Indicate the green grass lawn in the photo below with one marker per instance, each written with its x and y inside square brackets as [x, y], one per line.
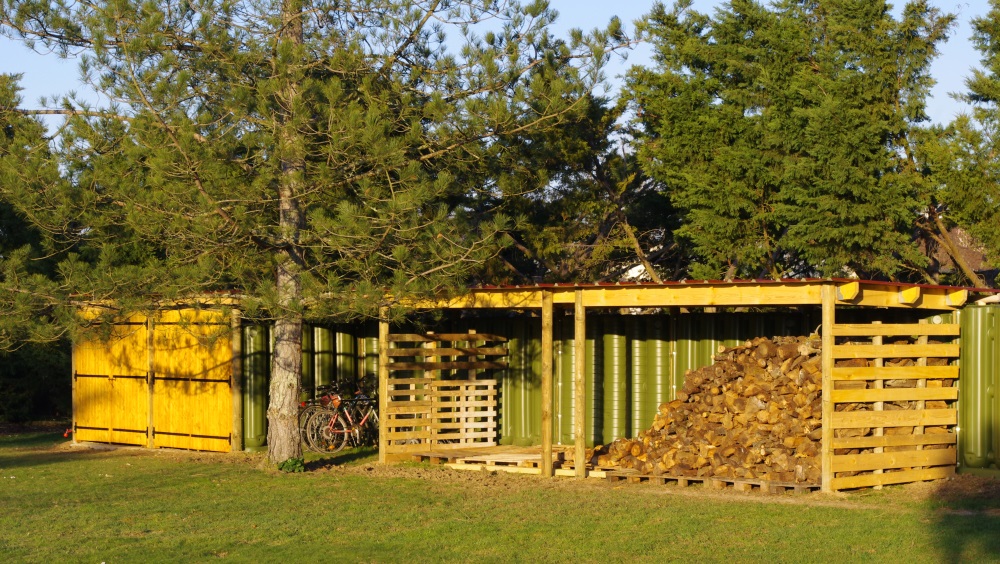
[80, 505]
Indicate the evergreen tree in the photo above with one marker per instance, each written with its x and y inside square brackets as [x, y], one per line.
[964, 156]
[28, 295]
[783, 133]
[589, 213]
[309, 154]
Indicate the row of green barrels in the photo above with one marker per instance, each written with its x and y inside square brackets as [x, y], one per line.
[633, 363]
[345, 355]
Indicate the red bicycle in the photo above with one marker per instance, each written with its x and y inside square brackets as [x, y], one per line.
[344, 421]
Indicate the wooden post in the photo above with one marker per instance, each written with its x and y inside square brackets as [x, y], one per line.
[877, 340]
[150, 377]
[383, 380]
[921, 383]
[73, 391]
[236, 379]
[547, 383]
[829, 296]
[579, 385]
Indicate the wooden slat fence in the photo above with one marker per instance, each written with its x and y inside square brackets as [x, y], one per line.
[441, 394]
[894, 394]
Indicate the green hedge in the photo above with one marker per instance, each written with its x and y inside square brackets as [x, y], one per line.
[35, 383]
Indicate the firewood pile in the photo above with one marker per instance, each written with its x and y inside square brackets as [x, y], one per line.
[755, 413]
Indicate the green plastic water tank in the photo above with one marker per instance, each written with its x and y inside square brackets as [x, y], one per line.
[979, 381]
[256, 365]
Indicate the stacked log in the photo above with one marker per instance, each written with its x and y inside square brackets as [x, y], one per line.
[756, 413]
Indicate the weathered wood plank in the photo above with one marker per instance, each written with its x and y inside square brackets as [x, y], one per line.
[895, 329]
[901, 418]
[456, 365]
[828, 312]
[899, 459]
[894, 394]
[446, 337]
[895, 440]
[451, 351]
[895, 351]
[902, 477]
[895, 373]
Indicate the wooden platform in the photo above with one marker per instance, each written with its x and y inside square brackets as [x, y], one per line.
[527, 460]
[737, 484]
[519, 460]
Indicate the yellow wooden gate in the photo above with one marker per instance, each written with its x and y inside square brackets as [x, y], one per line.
[894, 397]
[110, 381]
[190, 367]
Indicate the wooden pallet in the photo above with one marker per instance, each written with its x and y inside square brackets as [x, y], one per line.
[508, 459]
[433, 457]
[737, 484]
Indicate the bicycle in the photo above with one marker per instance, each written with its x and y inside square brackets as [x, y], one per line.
[350, 420]
[328, 396]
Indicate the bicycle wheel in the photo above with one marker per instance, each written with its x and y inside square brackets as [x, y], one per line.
[327, 431]
[369, 431]
[304, 415]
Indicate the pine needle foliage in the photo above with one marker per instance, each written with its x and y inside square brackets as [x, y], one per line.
[783, 132]
[307, 154]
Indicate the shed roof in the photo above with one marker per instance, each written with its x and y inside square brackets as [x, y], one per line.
[710, 293]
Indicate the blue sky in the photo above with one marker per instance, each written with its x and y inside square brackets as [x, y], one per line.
[48, 75]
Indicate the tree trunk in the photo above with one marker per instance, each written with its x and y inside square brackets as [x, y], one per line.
[944, 237]
[286, 365]
[286, 368]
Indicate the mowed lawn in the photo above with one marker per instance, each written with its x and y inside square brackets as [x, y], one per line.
[70, 504]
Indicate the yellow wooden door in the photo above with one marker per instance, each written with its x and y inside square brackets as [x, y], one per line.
[110, 385]
[192, 387]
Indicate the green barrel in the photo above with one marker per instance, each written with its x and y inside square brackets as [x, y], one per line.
[256, 366]
[639, 380]
[979, 381]
[657, 359]
[345, 364]
[520, 390]
[565, 359]
[324, 350]
[615, 381]
[368, 382]
[307, 388]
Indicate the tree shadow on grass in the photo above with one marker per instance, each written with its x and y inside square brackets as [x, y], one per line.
[966, 518]
[40, 449]
[347, 456]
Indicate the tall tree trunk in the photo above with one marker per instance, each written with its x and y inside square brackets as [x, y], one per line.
[286, 365]
[943, 237]
[637, 247]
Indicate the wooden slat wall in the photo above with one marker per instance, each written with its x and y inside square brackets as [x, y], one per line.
[894, 394]
[438, 397]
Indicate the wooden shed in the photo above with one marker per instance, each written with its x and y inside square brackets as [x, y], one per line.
[874, 457]
[176, 379]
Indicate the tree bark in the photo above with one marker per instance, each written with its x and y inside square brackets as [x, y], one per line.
[637, 247]
[944, 238]
[286, 365]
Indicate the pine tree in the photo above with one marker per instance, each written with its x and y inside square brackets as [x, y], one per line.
[783, 133]
[963, 157]
[308, 154]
